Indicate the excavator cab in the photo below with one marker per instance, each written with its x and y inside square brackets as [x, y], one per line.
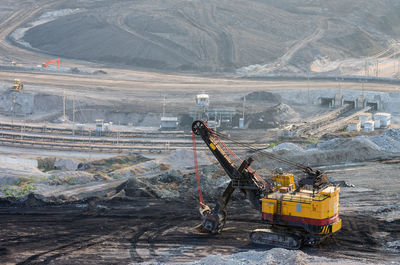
[282, 180]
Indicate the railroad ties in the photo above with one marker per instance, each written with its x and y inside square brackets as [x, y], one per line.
[55, 137]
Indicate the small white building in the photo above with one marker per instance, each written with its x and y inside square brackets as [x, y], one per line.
[369, 126]
[241, 123]
[384, 118]
[107, 126]
[99, 125]
[354, 126]
[364, 118]
[202, 100]
[80, 126]
[169, 122]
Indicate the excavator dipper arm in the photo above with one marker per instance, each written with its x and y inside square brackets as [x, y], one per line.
[213, 220]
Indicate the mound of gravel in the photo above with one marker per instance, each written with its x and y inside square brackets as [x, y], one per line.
[66, 164]
[335, 151]
[271, 117]
[287, 147]
[389, 140]
[263, 96]
[70, 178]
[276, 256]
[184, 158]
[357, 143]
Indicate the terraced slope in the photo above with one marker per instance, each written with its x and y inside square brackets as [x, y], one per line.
[218, 35]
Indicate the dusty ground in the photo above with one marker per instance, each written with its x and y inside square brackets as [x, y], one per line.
[128, 222]
[134, 225]
[143, 230]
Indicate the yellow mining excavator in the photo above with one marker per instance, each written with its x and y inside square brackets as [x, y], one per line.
[294, 215]
[18, 85]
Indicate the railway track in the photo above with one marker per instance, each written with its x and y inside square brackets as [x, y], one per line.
[337, 124]
[320, 120]
[52, 129]
[64, 139]
[329, 122]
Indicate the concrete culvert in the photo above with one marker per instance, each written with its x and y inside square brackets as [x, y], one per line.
[351, 103]
[326, 102]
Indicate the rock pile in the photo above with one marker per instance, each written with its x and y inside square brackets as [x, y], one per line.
[287, 147]
[389, 140]
[271, 117]
[278, 256]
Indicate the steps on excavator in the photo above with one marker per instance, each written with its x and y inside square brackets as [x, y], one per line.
[277, 238]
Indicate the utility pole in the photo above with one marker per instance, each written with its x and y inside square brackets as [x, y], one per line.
[362, 88]
[23, 127]
[64, 100]
[164, 103]
[13, 110]
[73, 116]
[339, 86]
[244, 105]
[308, 88]
[90, 144]
[119, 123]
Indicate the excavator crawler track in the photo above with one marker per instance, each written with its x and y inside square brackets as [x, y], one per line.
[276, 238]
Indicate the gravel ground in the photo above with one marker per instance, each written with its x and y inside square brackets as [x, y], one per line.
[389, 140]
[277, 256]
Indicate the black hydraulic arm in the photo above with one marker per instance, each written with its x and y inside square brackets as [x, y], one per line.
[241, 177]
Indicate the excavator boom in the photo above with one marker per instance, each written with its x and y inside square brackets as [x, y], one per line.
[52, 61]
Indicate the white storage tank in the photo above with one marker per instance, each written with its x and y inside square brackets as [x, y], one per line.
[385, 119]
[369, 126]
[377, 123]
[354, 126]
[364, 118]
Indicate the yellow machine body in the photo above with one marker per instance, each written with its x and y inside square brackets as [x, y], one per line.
[317, 213]
[18, 86]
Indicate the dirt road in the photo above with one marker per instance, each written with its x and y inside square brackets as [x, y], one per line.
[144, 230]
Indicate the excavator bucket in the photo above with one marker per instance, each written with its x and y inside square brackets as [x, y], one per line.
[212, 220]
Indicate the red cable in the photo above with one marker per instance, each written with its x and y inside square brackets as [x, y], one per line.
[227, 148]
[197, 171]
[238, 158]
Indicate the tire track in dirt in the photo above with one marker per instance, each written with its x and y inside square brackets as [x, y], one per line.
[143, 230]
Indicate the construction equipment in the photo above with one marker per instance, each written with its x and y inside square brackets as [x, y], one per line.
[18, 85]
[294, 215]
[52, 61]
